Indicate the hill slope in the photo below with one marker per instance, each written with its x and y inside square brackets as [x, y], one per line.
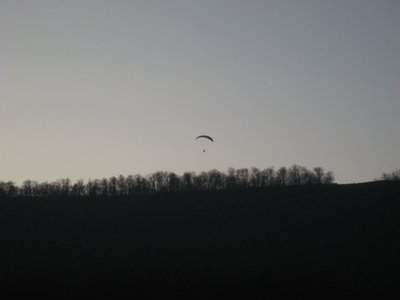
[337, 240]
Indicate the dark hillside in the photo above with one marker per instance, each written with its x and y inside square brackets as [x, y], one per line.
[322, 241]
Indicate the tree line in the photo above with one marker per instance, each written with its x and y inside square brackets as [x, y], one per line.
[162, 181]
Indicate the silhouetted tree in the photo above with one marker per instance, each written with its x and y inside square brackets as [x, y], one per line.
[130, 185]
[103, 187]
[242, 177]
[173, 182]
[53, 188]
[188, 180]
[11, 189]
[35, 188]
[294, 175]
[159, 181]
[328, 178]
[43, 189]
[112, 186]
[281, 176]
[231, 182]
[121, 185]
[141, 185]
[215, 180]
[319, 174]
[3, 189]
[255, 177]
[65, 187]
[201, 181]
[78, 189]
[306, 176]
[394, 176]
[268, 177]
[26, 188]
[93, 187]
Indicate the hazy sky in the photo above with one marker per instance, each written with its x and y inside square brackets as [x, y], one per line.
[92, 89]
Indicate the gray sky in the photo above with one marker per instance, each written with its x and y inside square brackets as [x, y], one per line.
[92, 89]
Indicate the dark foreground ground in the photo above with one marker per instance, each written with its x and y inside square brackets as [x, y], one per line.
[339, 241]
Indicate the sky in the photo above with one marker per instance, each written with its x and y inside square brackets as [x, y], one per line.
[95, 88]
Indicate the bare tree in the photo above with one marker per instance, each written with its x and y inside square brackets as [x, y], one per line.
[26, 188]
[12, 189]
[3, 189]
[130, 185]
[255, 177]
[121, 185]
[215, 180]
[78, 189]
[319, 174]
[103, 186]
[268, 177]
[231, 182]
[328, 178]
[65, 187]
[112, 185]
[173, 182]
[394, 176]
[43, 189]
[188, 180]
[55, 188]
[143, 184]
[281, 176]
[201, 181]
[306, 176]
[294, 175]
[93, 187]
[242, 177]
[159, 181]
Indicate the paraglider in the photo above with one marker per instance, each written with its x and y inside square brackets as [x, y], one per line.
[205, 137]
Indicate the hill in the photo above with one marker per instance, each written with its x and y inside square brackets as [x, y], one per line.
[309, 241]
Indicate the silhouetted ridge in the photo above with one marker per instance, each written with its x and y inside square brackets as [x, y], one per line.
[296, 242]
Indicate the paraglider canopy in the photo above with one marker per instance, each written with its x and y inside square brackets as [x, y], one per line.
[205, 137]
